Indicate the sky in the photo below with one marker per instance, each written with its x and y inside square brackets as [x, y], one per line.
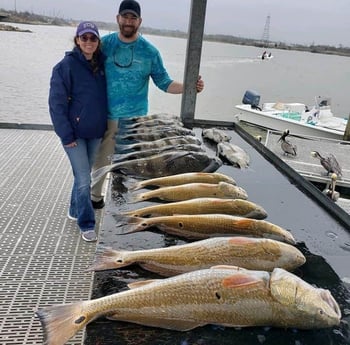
[291, 21]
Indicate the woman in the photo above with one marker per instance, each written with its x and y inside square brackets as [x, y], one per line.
[78, 109]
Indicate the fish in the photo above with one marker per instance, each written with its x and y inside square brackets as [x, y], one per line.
[234, 154]
[201, 226]
[155, 135]
[222, 295]
[174, 180]
[146, 145]
[249, 253]
[152, 123]
[192, 190]
[118, 157]
[215, 134]
[163, 164]
[140, 119]
[180, 130]
[287, 147]
[234, 207]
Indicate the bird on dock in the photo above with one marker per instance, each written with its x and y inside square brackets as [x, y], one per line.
[329, 162]
[287, 147]
[330, 189]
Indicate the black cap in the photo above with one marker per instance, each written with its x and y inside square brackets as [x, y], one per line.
[130, 6]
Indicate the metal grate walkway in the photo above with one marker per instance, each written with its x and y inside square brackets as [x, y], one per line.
[42, 256]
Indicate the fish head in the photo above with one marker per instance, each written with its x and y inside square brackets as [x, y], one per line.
[290, 257]
[229, 190]
[309, 306]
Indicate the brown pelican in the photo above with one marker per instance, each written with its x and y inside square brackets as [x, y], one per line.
[329, 163]
[330, 190]
[287, 147]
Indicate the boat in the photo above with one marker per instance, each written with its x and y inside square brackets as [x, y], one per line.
[297, 117]
[265, 56]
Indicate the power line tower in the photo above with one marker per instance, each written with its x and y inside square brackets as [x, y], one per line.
[266, 34]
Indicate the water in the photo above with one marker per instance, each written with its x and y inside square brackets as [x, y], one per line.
[228, 71]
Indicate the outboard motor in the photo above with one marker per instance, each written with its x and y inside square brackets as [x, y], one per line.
[252, 98]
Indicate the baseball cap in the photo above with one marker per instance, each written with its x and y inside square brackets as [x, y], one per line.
[130, 6]
[87, 27]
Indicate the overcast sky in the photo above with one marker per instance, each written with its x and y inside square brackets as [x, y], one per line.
[291, 21]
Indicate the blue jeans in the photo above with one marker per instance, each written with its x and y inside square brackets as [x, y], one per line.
[81, 158]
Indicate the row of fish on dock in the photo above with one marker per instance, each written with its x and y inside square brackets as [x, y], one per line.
[235, 270]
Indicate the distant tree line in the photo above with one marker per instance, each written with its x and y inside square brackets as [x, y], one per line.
[32, 18]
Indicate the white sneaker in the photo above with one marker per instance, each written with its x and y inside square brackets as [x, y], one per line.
[71, 217]
[89, 236]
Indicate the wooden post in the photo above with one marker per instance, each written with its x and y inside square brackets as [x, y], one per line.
[193, 57]
[346, 136]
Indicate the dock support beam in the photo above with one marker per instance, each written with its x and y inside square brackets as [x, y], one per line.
[193, 57]
[346, 136]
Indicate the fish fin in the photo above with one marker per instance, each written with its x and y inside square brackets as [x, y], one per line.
[98, 174]
[172, 159]
[61, 322]
[160, 322]
[244, 223]
[229, 267]
[162, 271]
[142, 283]
[109, 259]
[240, 280]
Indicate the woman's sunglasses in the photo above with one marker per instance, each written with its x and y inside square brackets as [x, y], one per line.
[86, 38]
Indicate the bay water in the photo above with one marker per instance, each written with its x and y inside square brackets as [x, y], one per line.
[228, 71]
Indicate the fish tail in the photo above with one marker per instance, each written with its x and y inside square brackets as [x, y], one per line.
[129, 224]
[99, 174]
[61, 322]
[108, 259]
[132, 199]
[136, 186]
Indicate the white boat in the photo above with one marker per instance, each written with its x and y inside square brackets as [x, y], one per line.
[318, 121]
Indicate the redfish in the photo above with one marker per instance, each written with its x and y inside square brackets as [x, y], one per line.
[228, 296]
[205, 226]
[234, 207]
[193, 190]
[249, 253]
[191, 177]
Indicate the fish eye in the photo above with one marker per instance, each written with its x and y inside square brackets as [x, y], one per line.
[321, 312]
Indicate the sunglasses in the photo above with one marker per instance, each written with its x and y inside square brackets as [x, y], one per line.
[85, 38]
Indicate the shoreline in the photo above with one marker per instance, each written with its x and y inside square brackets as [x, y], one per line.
[35, 19]
[4, 27]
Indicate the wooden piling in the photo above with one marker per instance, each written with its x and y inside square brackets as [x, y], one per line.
[346, 135]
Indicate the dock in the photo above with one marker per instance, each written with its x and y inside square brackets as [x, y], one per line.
[43, 258]
[309, 167]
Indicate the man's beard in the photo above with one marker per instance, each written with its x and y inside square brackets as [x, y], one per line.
[128, 31]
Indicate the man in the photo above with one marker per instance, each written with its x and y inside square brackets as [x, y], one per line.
[131, 62]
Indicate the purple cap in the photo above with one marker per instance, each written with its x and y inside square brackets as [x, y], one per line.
[130, 6]
[87, 27]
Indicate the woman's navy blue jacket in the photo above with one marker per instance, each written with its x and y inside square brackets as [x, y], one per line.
[78, 98]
